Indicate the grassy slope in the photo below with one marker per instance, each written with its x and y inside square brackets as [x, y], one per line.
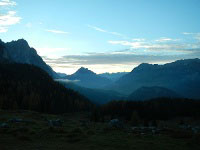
[37, 135]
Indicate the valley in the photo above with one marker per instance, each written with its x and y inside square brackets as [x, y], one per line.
[99, 75]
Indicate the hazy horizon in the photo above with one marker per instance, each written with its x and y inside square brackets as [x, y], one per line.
[104, 36]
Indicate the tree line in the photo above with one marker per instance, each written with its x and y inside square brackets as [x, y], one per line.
[148, 111]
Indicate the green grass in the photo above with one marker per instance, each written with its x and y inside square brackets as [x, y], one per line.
[37, 135]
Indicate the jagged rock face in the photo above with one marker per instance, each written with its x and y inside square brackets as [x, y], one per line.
[182, 76]
[19, 51]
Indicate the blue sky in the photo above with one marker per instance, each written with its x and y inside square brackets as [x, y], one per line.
[104, 35]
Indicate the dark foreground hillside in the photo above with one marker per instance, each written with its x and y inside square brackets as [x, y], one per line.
[30, 88]
[23, 130]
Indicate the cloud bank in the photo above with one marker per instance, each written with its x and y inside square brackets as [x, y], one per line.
[136, 51]
[7, 3]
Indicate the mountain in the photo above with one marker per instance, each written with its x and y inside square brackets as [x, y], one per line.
[3, 53]
[97, 96]
[20, 52]
[182, 76]
[61, 75]
[113, 76]
[29, 87]
[87, 78]
[147, 93]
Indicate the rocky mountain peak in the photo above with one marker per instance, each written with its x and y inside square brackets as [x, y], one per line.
[83, 70]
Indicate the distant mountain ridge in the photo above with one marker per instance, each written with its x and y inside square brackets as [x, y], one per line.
[61, 75]
[113, 76]
[182, 76]
[20, 52]
[147, 93]
[87, 78]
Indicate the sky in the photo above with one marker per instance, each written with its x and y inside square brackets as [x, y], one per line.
[104, 35]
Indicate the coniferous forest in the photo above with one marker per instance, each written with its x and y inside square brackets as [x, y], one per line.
[30, 88]
[155, 109]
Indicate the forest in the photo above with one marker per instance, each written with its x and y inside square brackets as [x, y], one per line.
[155, 109]
[28, 87]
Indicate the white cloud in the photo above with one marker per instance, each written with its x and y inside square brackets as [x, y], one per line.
[161, 50]
[97, 28]
[110, 61]
[194, 35]
[161, 45]
[7, 3]
[105, 31]
[198, 37]
[187, 33]
[133, 45]
[165, 39]
[135, 51]
[116, 33]
[7, 20]
[138, 39]
[57, 31]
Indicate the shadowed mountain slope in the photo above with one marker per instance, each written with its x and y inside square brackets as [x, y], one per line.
[182, 76]
[147, 93]
[20, 52]
[87, 78]
[97, 96]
